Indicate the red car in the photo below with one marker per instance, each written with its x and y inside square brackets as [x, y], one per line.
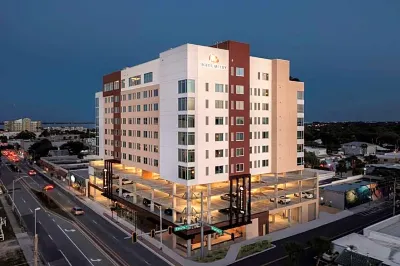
[32, 172]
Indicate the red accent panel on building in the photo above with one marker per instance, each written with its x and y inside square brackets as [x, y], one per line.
[113, 77]
[239, 56]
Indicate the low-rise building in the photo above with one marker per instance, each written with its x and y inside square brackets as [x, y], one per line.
[22, 125]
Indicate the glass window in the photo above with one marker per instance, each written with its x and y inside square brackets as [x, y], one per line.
[185, 121]
[219, 136]
[300, 148]
[219, 120]
[239, 152]
[219, 153]
[239, 89]
[265, 92]
[300, 108]
[219, 87]
[239, 105]
[240, 72]
[239, 167]
[239, 136]
[265, 134]
[186, 85]
[136, 80]
[155, 92]
[265, 76]
[300, 134]
[148, 77]
[123, 83]
[265, 163]
[300, 121]
[207, 85]
[265, 148]
[186, 156]
[186, 138]
[265, 120]
[240, 120]
[186, 173]
[300, 95]
[219, 104]
[219, 169]
[265, 106]
[300, 161]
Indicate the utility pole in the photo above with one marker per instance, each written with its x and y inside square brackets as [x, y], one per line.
[394, 195]
[202, 226]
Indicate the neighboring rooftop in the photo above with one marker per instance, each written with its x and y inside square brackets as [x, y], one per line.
[347, 186]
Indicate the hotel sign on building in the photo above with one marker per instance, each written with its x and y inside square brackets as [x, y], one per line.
[213, 62]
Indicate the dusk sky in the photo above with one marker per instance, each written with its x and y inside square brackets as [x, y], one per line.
[53, 54]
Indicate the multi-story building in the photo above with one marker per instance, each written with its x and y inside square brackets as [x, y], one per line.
[22, 125]
[210, 124]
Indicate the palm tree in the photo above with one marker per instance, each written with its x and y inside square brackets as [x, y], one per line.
[293, 250]
[320, 245]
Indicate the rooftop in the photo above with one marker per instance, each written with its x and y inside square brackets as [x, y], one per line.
[347, 186]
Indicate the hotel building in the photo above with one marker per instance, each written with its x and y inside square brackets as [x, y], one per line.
[205, 124]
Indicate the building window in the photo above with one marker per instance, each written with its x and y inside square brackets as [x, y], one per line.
[300, 108]
[219, 104]
[219, 136]
[265, 148]
[239, 152]
[155, 162]
[265, 92]
[186, 138]
[239, 120]
[300, 134]
[207, 171]
[264, 163]
[239, 136]
[123, 83]
[207, 86]
[265, 120]
[239, 105]
[219, 169]
[265, 106]
[300, 95]
[219, 87]
[187, 103]
[186, 156]
[265, 134]
[219, 120]
[186, 121]
[155, 107]
[148, 77]
[240, 72]
[265, 76]
[300, 148]
[219, 153]
[239, 167]
[186, 85]
[186, 173]
[239, 89]
[300, 161]
[300, 121]
[136, 80]
[155, 92]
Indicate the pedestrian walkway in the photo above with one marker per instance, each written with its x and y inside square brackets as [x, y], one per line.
[23, 239]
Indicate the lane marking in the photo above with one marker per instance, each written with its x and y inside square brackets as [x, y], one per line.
[53, 220]
[39, 222]
[75, 245]
[30, 209]
[96, 260]
[23, 200]
[69, 230]
[65, 257]
[50, 237]
[94, 221]
[115, 238]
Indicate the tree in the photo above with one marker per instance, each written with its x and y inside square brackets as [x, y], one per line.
[294, 251]
[3, 139]
[320, 245]
[341, 168]
[311, 159]
[74, 147]
[25, 135]
[45, 133]
[40, 148]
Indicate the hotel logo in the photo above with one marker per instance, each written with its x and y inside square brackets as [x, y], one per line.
[213, 62]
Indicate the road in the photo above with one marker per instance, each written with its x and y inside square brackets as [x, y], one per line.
[334, 230]
[105, 234]
[60, 242]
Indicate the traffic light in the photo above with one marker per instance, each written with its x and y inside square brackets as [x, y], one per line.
[232, 236]
[153, 233]
[169, 230]
[134, 237]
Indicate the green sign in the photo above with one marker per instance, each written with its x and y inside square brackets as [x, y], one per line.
[180, 228]
[217, 230]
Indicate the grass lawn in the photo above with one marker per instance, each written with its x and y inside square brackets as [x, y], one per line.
[213, 255]
[253, 248]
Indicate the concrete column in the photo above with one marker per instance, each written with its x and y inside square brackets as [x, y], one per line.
[273, 218]
[173, 202]
[290, 217]
[134, 193]
[173, 241]
[152, 201]
[94, 189]
[87, 187]
[300, 189]
[120, 187]
[208, 214]
[189, 218]
[276, 195]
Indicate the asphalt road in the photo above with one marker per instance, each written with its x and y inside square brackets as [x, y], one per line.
[334, 230]
[106, 235]
[60, 242]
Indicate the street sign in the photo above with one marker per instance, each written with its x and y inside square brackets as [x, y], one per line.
[180, 228]
[217, 230]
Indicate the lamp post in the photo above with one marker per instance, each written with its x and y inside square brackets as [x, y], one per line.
[161, 236]
[13, 193]
[36, 241]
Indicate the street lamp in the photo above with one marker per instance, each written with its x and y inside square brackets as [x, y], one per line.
[161, 236]
[13, 193]
[36, 241]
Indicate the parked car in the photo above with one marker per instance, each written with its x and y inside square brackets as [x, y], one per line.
[305, 195]
[126, 181]
[127, 194]
[226, 211]
[228, 196]
[329, 256]
[168, 211]
[281, 200]
[32, 172]
[77, 211]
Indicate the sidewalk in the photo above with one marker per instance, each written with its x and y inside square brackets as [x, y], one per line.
[23, 239]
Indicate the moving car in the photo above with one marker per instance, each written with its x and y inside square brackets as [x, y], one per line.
[305, 195]
[32, 172]
[281, 200]
[228, 196]
[126, 181]
[77, 211]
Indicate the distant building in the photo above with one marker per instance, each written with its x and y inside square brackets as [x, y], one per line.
[316, 150]
[361, 148]
[22, 125]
